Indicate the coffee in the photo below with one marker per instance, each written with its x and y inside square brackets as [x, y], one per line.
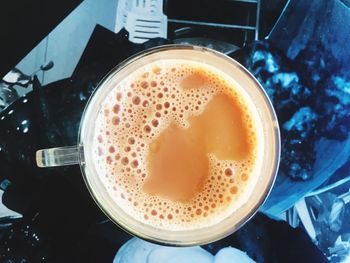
[178, 145]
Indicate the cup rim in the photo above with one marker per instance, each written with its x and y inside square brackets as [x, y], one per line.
[264, 195]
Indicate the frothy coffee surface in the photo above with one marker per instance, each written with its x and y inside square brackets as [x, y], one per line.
[177, 145]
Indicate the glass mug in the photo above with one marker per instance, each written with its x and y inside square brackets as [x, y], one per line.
[82, 153]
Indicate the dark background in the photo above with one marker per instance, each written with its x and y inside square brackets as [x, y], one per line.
[23, 24]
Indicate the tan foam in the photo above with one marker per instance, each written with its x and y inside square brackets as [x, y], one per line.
[156, 109]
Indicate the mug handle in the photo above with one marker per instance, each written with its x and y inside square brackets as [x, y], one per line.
[60, 156]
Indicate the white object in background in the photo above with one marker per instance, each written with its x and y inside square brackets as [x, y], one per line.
[139, 251]
[180, 255]
[123, 8]
[134, 251]
[5, 212]
[143, 19]
[232, 255]
[305, 218]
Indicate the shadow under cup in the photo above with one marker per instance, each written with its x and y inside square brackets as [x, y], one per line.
[270, 142]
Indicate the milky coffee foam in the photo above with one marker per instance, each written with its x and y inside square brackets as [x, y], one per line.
[138, 110]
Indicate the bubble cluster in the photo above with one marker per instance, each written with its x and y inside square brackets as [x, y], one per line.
[136, 112]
